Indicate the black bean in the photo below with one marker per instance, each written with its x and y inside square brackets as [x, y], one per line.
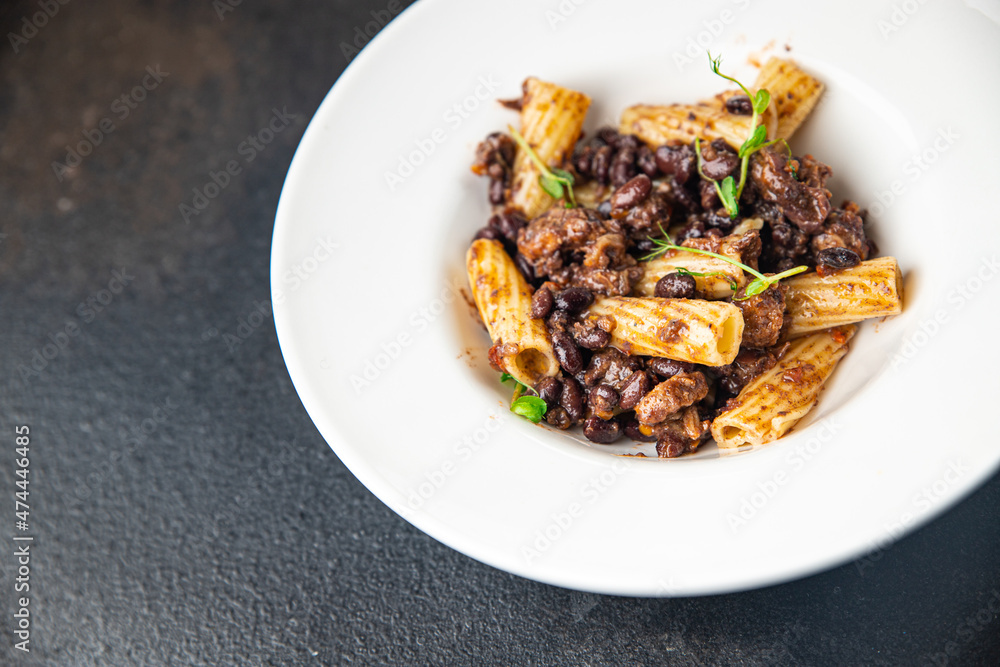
[721, 222]
[667, 368]
[572, 399]
[695, 230]
[558, 417]
[722, 166]
[489, 233]
[739, 105]
[508, 224]
[675, 286]
[631, 426]
[601, 164]
[582, 160]
[541, 303]
[524, 266]
[637, 386]
[574, 299]
[644, 247]
[603, 398]
[609, 136]
[622, 167]
[709, 197]
[670, 445]
[593, 338]
[567, 352]
[604, 208]
[647, 161]
[676, 161]
[837, 258]
[632, 193]
[719, 160]
[602, 431]
[628, 142]
[497, 191]
[549, 390]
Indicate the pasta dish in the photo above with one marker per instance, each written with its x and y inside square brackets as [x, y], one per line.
[681, 277]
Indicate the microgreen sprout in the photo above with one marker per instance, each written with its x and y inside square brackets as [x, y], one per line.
[753, 288]
[728, 189]
[557, 183]
[531, 408]
[705, 274]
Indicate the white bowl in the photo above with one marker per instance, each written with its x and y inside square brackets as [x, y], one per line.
[368, 279]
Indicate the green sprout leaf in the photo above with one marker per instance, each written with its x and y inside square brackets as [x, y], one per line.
[754, 288]
[756, 141]
[716, 64]
[557, 183]
[727, 193]
[531, 408]
[730, 196]
[708, 274]
[552, 185]
[762, 283]
[761, 100]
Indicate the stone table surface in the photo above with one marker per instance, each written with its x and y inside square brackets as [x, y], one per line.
[183, 507]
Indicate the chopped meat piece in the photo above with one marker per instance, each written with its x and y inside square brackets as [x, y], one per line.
[611, 366]
[495, 158]
[670, 396]
[680, 433]
[812, 172]
[747, 365]
[646, 219]
[746, 246]
[843, 228]
[763, 315]
[805, 206]
[577, 247]
[708, 195]
[789, 246]
[709, 243]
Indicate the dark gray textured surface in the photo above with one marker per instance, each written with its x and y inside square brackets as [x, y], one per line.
[184, 508]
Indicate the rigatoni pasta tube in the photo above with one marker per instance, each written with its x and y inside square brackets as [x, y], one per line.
[682, 123]
[873, 288]
[715, 286]
[774, 401]
[702, 332]
[794, 94]
[551, 121]
[521, 345]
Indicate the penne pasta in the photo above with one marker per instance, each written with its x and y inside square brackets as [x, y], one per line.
[521, 345]
[551, 122]
[702, 332]
[773, 402]
[873, 288]
[793, 93]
